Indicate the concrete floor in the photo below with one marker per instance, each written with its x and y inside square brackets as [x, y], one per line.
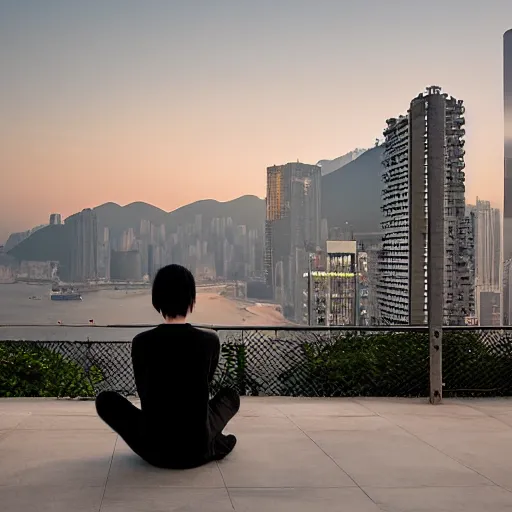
[295, 455]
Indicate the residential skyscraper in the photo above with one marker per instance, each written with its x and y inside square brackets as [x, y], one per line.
[104, 252]
[426, 141]
[83, 228]
[487, 228]
[128, 239]
[507, 189]
[292, 230]
[392, 285]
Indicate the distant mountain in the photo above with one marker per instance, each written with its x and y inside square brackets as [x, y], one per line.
[52, 242]
[329, 166]
[16, 238]
[246, 210]
[118, 218]
[352, 194]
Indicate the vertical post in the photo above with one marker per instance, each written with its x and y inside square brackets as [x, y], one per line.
[309, 289]
[436, 122]
[356, 288]
[329, 289]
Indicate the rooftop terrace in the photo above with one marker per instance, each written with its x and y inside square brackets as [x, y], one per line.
[294, 454]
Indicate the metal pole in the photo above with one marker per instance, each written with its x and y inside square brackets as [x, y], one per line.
[329, 292]
[356, 289]
[435, 253]
[309, 289]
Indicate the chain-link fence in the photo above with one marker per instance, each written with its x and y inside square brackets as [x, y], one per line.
[477, 361]
[279, 361]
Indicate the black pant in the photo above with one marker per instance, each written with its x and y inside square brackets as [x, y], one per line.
[127, 420]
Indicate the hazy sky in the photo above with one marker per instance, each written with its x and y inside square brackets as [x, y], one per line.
[172, 101]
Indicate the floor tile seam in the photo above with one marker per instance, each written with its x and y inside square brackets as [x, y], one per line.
[287, 418]
[225, 486]
[282, 417]
[60, 430]
[108, 474]
[6, 433]
[330, 416]
[499, 420]
[45, 429]
[486, 414]
[238, 487]
[468, 418]
[454, 459]
[21, 485]
[112, 485]
[361, 402]
[50, 415]
[336, 463]
[308, 487]
[16, 427]
[356, 485]
[437, 486]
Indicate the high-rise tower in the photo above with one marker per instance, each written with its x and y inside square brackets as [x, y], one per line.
[83, 229]
[292, 230]
[428, 141]
[487, 228]
[507, 188]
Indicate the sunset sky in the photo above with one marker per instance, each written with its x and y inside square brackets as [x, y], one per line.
[170, 101]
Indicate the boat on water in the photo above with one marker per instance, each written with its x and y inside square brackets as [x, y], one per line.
[65, 295]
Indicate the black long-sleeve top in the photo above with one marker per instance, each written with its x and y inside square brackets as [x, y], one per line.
[174, 366]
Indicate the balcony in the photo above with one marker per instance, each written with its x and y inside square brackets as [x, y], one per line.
[359, 455]
[351, 430]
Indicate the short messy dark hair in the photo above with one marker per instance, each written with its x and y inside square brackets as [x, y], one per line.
[174, 291]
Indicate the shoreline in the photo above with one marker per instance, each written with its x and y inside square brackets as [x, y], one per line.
[123, 307]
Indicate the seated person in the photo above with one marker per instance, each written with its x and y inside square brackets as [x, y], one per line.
[178, 426]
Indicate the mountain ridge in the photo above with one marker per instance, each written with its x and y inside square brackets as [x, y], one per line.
[337, 163]
[199, 201]
[49, 243]
[352, 194]
[247, 210]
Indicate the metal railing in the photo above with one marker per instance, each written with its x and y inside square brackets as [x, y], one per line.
[286, 361]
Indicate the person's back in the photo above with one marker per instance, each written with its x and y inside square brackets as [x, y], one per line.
[173, 366]
[178, 426]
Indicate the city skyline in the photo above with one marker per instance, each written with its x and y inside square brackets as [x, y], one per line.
[170, 103]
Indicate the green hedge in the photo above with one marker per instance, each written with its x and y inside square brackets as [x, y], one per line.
[397, 364]
[31, 370]
[346, 364]
[232, 371]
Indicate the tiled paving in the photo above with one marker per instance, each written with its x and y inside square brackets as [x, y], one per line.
[354, 455]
